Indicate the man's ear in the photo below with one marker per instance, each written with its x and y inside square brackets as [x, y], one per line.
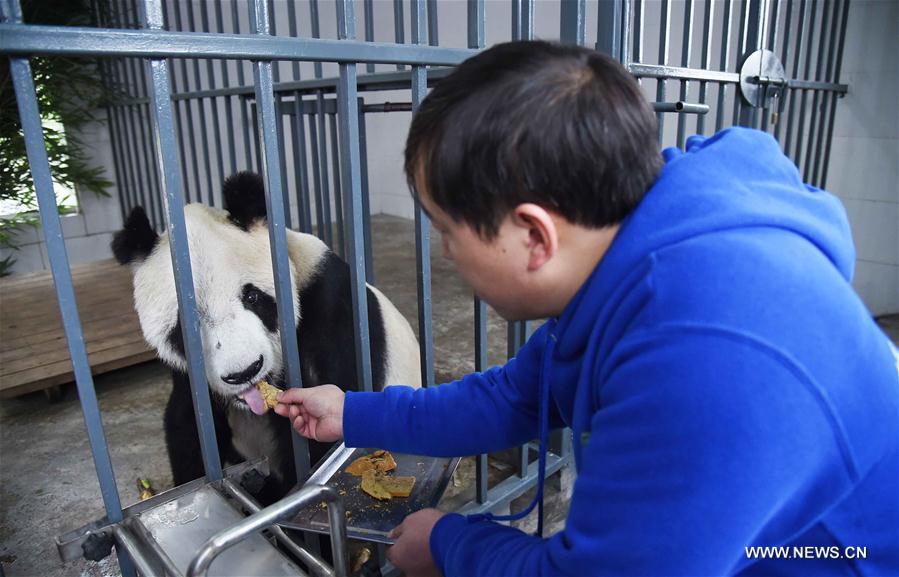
[244, 195]
[542, 235]
[136, 240]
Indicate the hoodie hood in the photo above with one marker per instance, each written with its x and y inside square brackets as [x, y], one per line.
[738, 178]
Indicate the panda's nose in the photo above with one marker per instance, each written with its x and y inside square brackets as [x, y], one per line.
[246, 375]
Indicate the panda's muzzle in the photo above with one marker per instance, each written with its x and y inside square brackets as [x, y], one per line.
[246, 375]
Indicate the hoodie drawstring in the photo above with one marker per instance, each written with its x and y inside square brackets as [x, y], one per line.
[544, 434]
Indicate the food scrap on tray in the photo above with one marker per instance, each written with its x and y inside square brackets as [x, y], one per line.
[378, 461]
[376, 482]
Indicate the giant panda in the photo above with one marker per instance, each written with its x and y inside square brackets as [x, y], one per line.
[235, 298]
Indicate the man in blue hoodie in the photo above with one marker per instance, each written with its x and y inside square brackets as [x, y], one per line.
[735, 409]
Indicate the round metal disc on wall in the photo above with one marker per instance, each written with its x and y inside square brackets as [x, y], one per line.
[761, 64]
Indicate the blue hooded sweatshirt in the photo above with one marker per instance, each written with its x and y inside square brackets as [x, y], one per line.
[726, 388]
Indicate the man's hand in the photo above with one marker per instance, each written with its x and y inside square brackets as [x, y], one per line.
[316, 413]
[412, 551]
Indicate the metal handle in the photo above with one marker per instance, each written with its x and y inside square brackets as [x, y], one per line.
[681, 106]
[199, 565]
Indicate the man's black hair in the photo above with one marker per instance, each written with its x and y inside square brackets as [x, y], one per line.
[560, 126]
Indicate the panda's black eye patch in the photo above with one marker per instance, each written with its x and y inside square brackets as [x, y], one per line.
[261, 304]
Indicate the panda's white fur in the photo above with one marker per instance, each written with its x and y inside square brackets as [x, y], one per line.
[232, 336]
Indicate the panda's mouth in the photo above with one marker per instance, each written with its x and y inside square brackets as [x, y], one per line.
[252, 398]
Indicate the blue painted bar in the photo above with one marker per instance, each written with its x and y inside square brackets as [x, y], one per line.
[476, 22]
[724, 64]
[399, 26]
[664, 23]
[573, 22]
[608, 28]
[347, 112]
[708, 26]
[300, 165]
[277, 231]
[316, 32]
[282, 158]
[167, 162]
[422, 224]
[369, 7]
[325, 230]
[516, 20]
[339, 243]
[293, 31]
[366, 208]
[29, 114]
[480, 365]
[82, 41]
[686, 53]
[316, 168]
[432, 22]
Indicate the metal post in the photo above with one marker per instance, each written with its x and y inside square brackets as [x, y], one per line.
[608, 28]
[814, 129]
[432, 22]
[26, 98]
[422, 224]
[167, 161]
[752, 35]
[480, 365]
[663, 60]
[282, 158]
[724, 64]
[708, 24]
[299, 165]
[573, 22]
[277, 230]
[783, 58]
[316, 24]
[339, 244]
[369, 8]
[348, 110]
[325, 231]
[366, 207]
[686, 52]
[833, 102]
[476, 22]
[399, 26]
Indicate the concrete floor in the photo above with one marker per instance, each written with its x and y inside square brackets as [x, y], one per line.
[47, 481]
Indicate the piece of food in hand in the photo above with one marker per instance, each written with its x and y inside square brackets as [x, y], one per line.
[378, 461]
[261, 397]
[269, 394]
[384, 487]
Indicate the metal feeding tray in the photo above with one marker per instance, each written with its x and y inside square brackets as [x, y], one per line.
[368, 518]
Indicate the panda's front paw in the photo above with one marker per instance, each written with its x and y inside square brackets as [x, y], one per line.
[253, 482]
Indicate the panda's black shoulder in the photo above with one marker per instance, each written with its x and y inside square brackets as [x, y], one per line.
[326, 315]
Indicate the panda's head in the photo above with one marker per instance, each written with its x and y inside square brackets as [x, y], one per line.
[233, 282]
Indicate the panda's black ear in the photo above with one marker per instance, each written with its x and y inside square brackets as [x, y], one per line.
[136, 240]
[244, 195]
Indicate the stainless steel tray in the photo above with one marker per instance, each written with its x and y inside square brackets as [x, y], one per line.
[368, 518]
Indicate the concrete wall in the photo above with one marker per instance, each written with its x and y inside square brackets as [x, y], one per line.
[864, 162]
[87, 233]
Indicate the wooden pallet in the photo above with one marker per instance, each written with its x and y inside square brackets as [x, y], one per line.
[33, 351]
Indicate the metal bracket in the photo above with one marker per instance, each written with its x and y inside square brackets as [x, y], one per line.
[763, 80]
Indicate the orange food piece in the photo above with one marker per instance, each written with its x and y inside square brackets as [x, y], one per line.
[383, 487]
[378, 461]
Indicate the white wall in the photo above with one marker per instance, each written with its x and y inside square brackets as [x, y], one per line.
[864, 162]
[89, 232]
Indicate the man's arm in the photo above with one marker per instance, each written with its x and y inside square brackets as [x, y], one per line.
[481, 412]
[702, 445]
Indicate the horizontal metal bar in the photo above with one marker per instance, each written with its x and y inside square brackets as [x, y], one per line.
[78, 41]
[811, 85]
[681, 106]
[656, 71]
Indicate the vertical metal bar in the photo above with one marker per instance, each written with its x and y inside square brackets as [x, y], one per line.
[114, 133]
[300, 165]
[686, 53]
[572, 22]
[26, 97]
[282, 158]
[316, 167]
[201, 111]
[476, 20]
[527, 20]
[235, 17]
[797, 60]
[186, 129]
[369, 8]
[142, 178]
[743, 24]
[815, 131]
[515, 337]
[753, 33]
[422, 224]
[348, 107]
[639, 9]
[664, 21]
[608, 28]
[724, 64]
[480, 365]
[316, 32]
[325, 231]
[804, 93]
[516, 20]
[399, 27]
[432, 22]
[167, 161]
[838, 64]
[366, 207]
[277, 230]
[294, 33]
[707, 27]
[153, 175]
[625, 31]
[246, 128]
[214, 107]
[339, 244]
[227, 101]
[127, 160]
[783, 58]
[772, 46]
